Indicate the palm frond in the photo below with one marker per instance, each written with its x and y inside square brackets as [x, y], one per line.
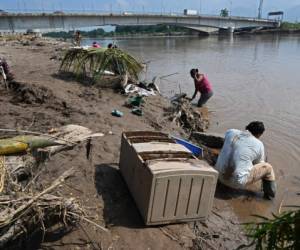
[93, 62]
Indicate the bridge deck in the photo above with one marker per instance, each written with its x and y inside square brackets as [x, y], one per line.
[69, 21]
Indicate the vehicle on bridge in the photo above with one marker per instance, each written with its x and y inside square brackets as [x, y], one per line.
[187, 12]
[126, 13]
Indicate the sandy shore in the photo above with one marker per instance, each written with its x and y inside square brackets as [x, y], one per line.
[41, 100]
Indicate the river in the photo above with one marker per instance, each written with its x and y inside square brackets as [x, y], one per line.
[254, 78]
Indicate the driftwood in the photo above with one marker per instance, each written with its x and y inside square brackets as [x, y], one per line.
[23, 216]
[186, 116]
[44, 213]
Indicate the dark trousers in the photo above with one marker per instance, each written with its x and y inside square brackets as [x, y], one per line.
[204, 98]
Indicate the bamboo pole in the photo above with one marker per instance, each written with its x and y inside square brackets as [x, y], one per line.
[35, 133]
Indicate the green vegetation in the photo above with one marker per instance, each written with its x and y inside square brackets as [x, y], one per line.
[60, 34]
[93, 62]
[149, 29]
[122, 31]
[70, 34]
[280, 232]
[224, 12]
[290, 26]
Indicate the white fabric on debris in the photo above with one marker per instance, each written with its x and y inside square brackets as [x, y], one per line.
[70, 135]
[131, 88]
[240, 151]
[3, 73]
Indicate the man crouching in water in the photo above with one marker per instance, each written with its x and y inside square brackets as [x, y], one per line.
[242, 160]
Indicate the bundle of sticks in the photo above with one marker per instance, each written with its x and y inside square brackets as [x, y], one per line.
[23, 213]
[185, 115]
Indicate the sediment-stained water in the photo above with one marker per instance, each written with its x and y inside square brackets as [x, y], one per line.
[254, 78]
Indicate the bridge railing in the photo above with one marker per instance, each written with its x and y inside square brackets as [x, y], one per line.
[115, 12]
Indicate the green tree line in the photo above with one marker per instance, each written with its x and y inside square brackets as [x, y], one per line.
[122, 30]
[290, 26]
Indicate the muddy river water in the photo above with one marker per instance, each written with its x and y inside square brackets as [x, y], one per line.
[253, 78]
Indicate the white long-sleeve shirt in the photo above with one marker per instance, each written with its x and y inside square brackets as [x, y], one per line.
[240, 151]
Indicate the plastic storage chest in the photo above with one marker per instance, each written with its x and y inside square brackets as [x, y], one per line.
[166, 181]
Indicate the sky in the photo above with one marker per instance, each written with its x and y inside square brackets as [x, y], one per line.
[236, 7]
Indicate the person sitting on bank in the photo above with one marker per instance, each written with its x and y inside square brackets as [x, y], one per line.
[112, 46]
[242, 160]
[77, 38]
[6, 70]
[96, 45]
[202, 85]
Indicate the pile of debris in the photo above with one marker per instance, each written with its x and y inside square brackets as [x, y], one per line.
[186, 116]
[136, 93]
[25, 207]
[110, 68]
[24, 213]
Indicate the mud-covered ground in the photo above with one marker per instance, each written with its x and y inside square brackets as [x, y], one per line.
[40, 100]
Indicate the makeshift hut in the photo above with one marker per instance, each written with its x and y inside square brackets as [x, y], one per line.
[103, 67]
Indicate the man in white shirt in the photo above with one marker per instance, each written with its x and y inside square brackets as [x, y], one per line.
[242, 160]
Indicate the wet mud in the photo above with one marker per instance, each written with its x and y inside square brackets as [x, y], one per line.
[38, 101]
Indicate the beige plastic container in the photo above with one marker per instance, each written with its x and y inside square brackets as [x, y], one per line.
[166, 181]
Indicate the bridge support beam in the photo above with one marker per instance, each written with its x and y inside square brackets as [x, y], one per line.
[203, 30]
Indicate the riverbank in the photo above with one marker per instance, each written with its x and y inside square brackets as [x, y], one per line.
[135, 35]
[42, 100]
[123, 32]
[285, 28]
[272, 31]
[126, 31]
[196, 34]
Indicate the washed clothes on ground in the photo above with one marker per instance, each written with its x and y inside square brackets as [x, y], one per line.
[240, 151]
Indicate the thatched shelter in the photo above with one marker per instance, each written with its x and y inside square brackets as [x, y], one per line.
[101, 65]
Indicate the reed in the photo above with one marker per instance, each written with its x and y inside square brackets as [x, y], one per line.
[280, 232]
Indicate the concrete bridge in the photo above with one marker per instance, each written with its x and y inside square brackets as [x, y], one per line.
[14, 22]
